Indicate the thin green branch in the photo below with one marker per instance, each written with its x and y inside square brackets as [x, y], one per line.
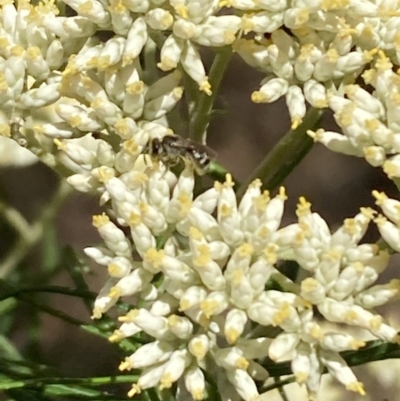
[31, 234]
[51, 311]
[285, 155]
[90, 381]
[277, 384]
[374, 351]
[202, 110]
[54, 289]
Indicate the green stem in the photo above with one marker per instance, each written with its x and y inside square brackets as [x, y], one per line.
[91, 381]
[202, 110]
[31, 234]
[53, 289]
[374, 351]
[285, 155]
[51, 311]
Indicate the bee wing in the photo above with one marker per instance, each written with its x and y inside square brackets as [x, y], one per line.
[200, 148]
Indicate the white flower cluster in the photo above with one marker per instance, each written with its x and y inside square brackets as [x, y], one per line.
[309, 48]
[210, 309]
[198, 268]
[370, 122]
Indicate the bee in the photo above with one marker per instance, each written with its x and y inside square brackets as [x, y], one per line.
[171, 149]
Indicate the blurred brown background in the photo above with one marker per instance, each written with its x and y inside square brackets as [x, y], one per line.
[336, 185]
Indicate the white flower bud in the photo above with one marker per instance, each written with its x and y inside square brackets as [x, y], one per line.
[261, 22]
[271, 91]
[104, 301]
[135, 41]
[180, 326]
[192, 297]
[100, 255]
[244, 384]
[339, 342]
[132, 283]
[154, 326]
[93, 10]
[159, 19]
[121, 18]
[42, 96]
[113, 236]
[170, 54]
[192, 64]
[235, 324]
[195, 382]
[147, 355]
[296, 105]
[198, 346]
[174, 368]
[217, 31]
[55, 55]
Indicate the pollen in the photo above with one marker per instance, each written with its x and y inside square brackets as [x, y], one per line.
[33, 52]
[358, 387]
[382, 63]
[245, 249]
[85, 8]
[197, 349]
[316, 332]
[173, 320]
[130, 316]
[185, 202]
[356, 344]
[204, 257]
[195, 234]
[261, 202]
[96, 102]
[282, 193]
[131, 146]
[238, 277]
[115, 292]
[61, 145]
[134, 390]
[281, 315]
[205, 86]
[117, 7]
[327, 5]
[17, 51]
[166, 381]
[301, 377]
[135, 88]
[116, 337]
[105, 174]
[100, 220]
[122, 128]
[228, 181]
[208, 307]
[259, 97]
[350, 226]
[75, 121]
[303, 207]
[113, 269]
[154, 257]
[390, 169]
[181, 10]
[375, 323]
[350, 316]
[270, 253]
[372, 124]
[225, 211]
[242, 363]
